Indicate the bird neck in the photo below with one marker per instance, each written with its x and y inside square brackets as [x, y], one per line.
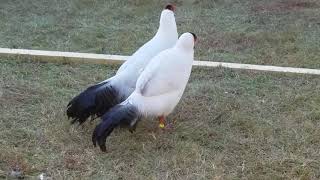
[184, 47]
[167, 30]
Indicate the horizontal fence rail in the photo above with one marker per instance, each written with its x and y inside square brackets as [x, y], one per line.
[73, 57]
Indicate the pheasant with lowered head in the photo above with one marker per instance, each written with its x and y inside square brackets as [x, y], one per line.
[99, 98]
[158, 90]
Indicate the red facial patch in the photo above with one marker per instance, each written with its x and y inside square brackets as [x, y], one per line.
[170, 7]
[195, 38]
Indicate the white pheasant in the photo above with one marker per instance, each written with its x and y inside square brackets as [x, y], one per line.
[158, 90]
[99, 98]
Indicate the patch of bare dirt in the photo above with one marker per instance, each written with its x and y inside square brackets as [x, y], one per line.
[287, 5]
[73, 160]
[16, 164]
[231, 42]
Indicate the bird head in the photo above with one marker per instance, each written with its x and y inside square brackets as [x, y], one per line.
[167, 18]
[170, 7]
[187, 41]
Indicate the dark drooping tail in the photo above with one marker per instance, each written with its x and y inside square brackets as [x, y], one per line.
[94, 102]
[120, 115]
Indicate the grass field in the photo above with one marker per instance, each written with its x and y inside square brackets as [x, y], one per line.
[275, 32]
[229, 125]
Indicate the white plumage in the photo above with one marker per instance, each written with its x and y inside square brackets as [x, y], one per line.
[162, 83]
[165, 38]
[99, 98]
[158, 90]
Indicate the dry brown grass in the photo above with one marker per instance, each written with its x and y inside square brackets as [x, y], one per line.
[287, 5]
[229, 125]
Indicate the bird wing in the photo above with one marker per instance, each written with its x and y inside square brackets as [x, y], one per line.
[162, 75]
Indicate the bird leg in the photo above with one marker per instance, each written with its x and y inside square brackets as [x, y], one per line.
[162, 122]
[133, 125]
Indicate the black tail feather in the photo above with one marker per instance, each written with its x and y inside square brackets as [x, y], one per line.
[106, 99]
[124, 115]
[94, 102]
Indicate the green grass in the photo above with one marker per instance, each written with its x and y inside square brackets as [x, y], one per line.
[228, 125]
[275, 32]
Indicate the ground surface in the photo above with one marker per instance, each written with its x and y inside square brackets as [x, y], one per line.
[275, 32]
[229, 125]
